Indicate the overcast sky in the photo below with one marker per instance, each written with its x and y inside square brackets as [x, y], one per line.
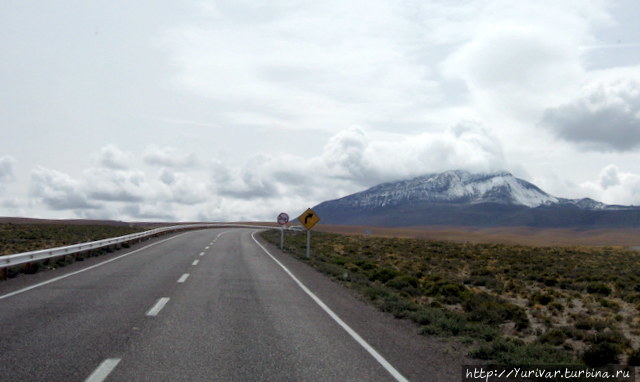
[241, 109]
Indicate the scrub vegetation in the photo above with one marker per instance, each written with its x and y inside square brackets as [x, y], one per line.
[16, 238]
[512, 304]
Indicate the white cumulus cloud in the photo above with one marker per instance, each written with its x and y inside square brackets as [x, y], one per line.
[58, 191]
[111, 156]
[6, 170]
[604, 117]
[614, 187]
[169, 157]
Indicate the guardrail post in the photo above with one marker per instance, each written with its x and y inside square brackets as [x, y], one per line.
[4, 273]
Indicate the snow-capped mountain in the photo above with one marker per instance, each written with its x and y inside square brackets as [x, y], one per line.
[453, 187]
[460, 197]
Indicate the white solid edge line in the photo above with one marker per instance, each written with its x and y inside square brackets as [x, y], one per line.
[183, 278]
[381, 360]
[103, 371]
[85, 269]
[158, 306]
[195, 262]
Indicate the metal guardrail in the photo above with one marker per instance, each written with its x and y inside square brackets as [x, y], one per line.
[44, 254]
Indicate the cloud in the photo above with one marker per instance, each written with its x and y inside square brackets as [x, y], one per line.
[116, 185]
[605, 117]
[156, 211]
[516, 69]
[184, 188]
[466, 145]
[112, 157]
[614, 187]
[609, 177]
[58, 190]
[253, 180]
[351, 160]
[6, 170]
[169, 157]
[517, 59]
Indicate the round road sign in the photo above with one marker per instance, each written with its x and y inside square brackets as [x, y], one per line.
[283, 218]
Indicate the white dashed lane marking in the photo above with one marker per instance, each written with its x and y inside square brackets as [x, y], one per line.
[158, 307]
[103, 371]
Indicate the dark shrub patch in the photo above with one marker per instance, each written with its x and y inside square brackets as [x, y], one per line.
[598, 288]
[483, 307]
[634, 358]
[384, 275]
[512, 352]
[554, 337]
[449, 293]
[541, 298]
[602, 354]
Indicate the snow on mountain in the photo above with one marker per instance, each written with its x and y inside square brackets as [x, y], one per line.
[460, 187]
[461, 198]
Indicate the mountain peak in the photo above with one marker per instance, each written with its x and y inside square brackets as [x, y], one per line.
[454, 186]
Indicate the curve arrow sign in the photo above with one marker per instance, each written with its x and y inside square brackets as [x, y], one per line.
[309, 219]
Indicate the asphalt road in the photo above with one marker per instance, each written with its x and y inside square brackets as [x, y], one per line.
[208, 305]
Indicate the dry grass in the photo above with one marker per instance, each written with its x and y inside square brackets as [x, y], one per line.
[507, 235]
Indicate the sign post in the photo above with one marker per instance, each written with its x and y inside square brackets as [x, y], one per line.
[283, 219]
[308, 220]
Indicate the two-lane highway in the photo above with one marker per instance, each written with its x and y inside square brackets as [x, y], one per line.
[199, 306]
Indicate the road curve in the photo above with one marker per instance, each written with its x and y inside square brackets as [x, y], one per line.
[208, 305]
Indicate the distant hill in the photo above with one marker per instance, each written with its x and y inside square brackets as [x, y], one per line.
[461, 198]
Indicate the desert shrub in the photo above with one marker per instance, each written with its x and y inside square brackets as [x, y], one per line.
[403, 282]
[441, 322]
[483, 307]
[602, 354]
[557, 306]
[609, 304]
[339, 260]
[396, 305]
[588, 323]
[514, 352]
[606, 348]
[611, 336]
[448, 292]
[365, 265]
[384, 275]
[541, 298]
[330, 269]
[484, 280]
[445, 326]
[553, 337]
[598, 288]
[634, 358]
[375, 292]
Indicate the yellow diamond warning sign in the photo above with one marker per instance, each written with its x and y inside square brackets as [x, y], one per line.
[309, 219]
